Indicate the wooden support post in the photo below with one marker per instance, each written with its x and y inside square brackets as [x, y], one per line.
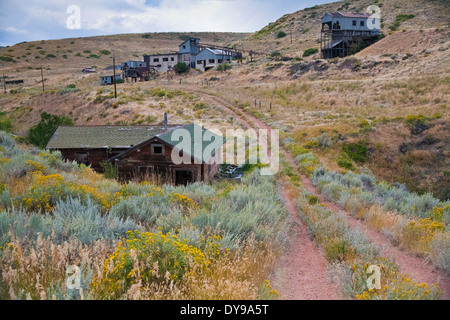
[114, 77]
[290, 31]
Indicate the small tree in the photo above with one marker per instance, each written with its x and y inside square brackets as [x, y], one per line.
[180, 67]
[109, 170]
[41, 133]
[281, 34]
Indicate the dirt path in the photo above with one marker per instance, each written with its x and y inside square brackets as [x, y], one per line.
[301, 271]
[298, 266]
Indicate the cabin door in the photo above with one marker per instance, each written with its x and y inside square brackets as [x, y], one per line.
[183, 177]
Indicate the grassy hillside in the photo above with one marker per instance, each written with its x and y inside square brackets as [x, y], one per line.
[305, 24]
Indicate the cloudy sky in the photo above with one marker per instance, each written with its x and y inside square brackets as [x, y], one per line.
[29, 20]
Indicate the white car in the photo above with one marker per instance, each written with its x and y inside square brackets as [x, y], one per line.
[89, 70]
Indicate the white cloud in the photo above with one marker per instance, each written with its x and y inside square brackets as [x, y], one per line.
[46, 19]
[14, 30]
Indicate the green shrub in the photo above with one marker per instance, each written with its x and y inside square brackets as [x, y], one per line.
[180, 67]
[309, 52]
[281, 34]
[5, 122]
[311, 144]
[41, 133]
[224, 67]
[345, 161]
[399, 19]
[105, 52]
[109, 170]
[356, 151]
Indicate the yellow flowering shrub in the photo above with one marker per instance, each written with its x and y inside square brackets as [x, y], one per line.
[47, 190]
[158, 195]
[4, 160]
[438, 212]
[266, 292]
[402, 289]
[422, 230]
[44, 192]
[36, 166]
[147, 258]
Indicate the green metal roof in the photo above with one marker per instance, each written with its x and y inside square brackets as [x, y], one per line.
[198, 146]
[99, 137]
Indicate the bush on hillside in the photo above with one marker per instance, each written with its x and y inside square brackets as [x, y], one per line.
[41, 133]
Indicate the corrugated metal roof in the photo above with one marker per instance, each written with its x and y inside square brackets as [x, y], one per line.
[98, 137]
[349, 15]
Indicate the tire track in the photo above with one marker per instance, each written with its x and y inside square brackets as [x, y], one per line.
[409, 264]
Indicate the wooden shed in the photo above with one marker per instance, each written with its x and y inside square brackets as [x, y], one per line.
[138, 151]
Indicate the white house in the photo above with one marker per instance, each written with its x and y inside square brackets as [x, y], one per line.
[161, 62]
[211, 58]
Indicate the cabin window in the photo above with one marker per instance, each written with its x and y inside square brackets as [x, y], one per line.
[156, 60]
[212, 61]
[219, 60]
[172, 59]
[184, 47]
[157, 149]
[361, 23]
[354, 23]
[165, 59]
[199, 61]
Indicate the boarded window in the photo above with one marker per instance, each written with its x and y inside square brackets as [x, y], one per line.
[157, 148]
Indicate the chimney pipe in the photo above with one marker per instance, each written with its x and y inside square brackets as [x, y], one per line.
[165, 121]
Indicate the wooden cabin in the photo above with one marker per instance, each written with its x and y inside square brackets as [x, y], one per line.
[341, 29]
[142, 151]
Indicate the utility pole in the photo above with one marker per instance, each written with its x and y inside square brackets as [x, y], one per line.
[42, 79]
[290, 31]
[114, 77]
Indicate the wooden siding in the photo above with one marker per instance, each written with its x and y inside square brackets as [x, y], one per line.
[93, 156]
[144, 161]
